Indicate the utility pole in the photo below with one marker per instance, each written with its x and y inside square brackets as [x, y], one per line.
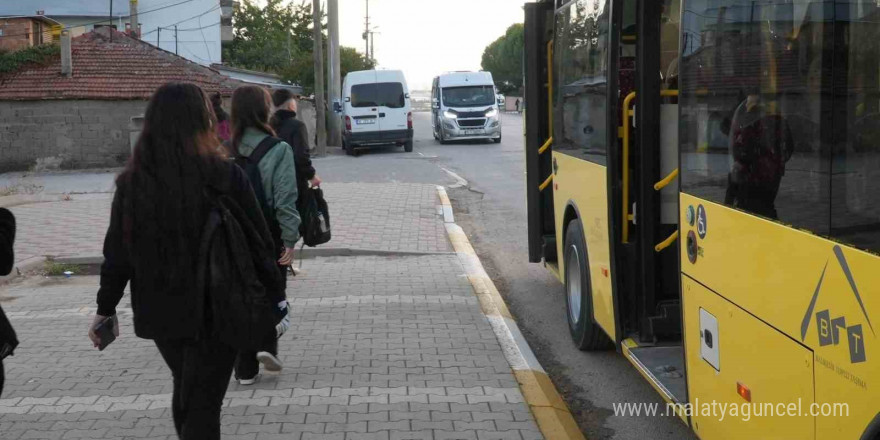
[175, 39]
[111, 21]
[367, 30]
[133, 13]
[318, 37]
[372, 46]
[334, 82]
[159, 37]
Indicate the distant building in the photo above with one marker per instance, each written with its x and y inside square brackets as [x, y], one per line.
[88, 118]
[202, 26]
[21, 32]
[264, 79]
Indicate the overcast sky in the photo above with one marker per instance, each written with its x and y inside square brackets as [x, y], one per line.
[427, 37]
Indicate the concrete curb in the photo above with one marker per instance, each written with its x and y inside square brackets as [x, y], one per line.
[23, 267]
[551, 413]
[445, 205]
[28, 199]
[305, 253]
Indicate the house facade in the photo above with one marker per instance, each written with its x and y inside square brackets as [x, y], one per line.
[88, 118]
[193, 29]
[18, 33]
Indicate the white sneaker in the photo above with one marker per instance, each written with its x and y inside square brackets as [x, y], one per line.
[269, 361]
[250, 381]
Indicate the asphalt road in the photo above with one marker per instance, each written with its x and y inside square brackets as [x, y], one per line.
[489, 201]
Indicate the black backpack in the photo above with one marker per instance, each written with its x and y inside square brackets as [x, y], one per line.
[237, 270]
[315, 215]
[251, 168]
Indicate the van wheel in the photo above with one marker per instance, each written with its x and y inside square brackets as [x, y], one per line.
[408, 146]
[349, 148]
[442, 137]
[585, 334]
[434, 132]
[498, 140]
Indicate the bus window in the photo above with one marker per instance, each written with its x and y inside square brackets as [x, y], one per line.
[580, 65]
[669, 35]
[780, 112]
[855, 169]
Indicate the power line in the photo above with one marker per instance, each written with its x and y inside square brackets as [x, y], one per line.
[105, 20]
[214, 8]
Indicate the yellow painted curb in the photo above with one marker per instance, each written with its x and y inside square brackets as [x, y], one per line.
[444, 198]
[552, 415]
[489, 297]
[538, 389]
[557, 424]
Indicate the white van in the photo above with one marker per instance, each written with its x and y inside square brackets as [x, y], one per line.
[465, 106]
[376, 110]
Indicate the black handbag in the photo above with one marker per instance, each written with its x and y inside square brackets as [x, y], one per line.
[315, 217]
[8, 340]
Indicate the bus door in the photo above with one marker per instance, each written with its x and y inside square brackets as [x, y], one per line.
[648, 192]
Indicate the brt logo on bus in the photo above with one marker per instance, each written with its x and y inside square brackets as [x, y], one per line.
[831, 330]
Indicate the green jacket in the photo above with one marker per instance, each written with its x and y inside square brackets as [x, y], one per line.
[278, 172]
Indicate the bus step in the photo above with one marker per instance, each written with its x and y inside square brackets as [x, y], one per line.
[664, 367]
[666, 324]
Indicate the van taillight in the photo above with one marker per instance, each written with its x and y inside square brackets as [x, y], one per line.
[347, 123]
[409, 120]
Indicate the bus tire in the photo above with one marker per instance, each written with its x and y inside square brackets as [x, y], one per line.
[585, 334]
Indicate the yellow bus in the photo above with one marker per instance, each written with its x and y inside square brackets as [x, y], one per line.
[704, 178]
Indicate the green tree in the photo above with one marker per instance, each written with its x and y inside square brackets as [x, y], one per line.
[277, 38]
[504, 58]
[350, 60]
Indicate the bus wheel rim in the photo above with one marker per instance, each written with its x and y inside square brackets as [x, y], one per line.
[573, 273]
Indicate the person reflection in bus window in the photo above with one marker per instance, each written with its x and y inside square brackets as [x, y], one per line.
[760, 144]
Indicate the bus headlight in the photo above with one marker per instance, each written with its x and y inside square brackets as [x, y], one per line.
[449, 114]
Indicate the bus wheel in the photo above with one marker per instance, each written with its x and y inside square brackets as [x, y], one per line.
[579, 296]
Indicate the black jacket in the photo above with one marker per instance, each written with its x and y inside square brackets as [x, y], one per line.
[296, 134]
[8, 340]
[163, 311]
[7, 236]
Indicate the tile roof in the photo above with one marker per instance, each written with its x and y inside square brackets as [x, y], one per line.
[123, 69]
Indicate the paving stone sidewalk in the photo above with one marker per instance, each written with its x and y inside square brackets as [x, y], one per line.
[388, 217]
[389, 347]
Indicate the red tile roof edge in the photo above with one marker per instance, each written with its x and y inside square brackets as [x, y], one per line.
[124, 69]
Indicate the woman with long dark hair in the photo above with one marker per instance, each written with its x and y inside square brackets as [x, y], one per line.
[158, 213]
[254, 139]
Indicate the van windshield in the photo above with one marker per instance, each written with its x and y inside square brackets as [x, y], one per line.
[378, 94]
[470, 96]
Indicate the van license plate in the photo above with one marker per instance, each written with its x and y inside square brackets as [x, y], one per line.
[366, 121]
[472, 131]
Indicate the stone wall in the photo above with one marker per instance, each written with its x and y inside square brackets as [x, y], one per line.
[65, 134]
